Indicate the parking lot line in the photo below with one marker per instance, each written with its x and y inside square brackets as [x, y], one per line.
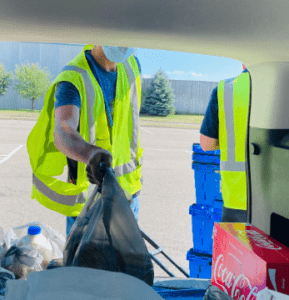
[190, 152]
[146, 130]
[10, 154]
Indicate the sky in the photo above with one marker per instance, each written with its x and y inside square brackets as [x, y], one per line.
[187, 66]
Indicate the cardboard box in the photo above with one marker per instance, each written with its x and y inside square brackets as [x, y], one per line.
[246, 260]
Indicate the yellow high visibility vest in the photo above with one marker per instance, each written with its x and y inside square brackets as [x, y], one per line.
[233, 104]
[48, 162]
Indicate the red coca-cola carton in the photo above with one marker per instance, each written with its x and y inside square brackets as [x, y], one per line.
[246, 260]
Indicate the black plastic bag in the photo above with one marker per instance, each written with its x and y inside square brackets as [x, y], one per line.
[214, 293]
[106, 235]
[22, 261]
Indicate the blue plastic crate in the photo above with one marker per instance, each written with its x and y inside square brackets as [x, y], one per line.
[197, 149]
[184, 294]
[203, 219]
[217, 203]
[207, 184]
[204, 158]
[200, 264]
[206, 167]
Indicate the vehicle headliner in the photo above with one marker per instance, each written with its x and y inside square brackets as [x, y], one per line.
[251, 31]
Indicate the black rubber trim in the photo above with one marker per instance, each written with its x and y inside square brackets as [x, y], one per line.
[247, 162]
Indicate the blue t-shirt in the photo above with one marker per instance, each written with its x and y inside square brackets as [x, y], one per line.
[210, 124]
[67, 94]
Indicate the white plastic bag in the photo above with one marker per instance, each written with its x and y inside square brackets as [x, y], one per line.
[2, 246]
[27, 258]
[4, 276]
[22, 261]
[267, 294]
[56, 239]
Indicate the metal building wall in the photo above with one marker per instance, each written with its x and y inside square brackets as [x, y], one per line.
[52, 56]
[191, 97]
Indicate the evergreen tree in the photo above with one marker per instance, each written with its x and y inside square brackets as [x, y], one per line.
[143, 96]
[159, 96]
[5, 80]
[143, 99]
[32, 83]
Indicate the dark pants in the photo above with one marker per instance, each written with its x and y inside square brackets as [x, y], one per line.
[230, 215]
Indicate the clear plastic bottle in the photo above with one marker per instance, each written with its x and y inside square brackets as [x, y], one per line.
[38, 241]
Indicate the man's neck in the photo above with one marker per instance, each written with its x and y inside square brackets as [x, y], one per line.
[99, 56]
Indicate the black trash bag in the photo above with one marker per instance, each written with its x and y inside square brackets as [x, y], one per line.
[106, 235]
[55, 263]
[214, 293]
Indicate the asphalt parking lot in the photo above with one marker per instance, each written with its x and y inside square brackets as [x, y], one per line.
[165, 199]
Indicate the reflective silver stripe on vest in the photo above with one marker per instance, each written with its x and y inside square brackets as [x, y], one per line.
[131, 166]
[61, 199]
[90, 96]
[231, 164]
[40, 186]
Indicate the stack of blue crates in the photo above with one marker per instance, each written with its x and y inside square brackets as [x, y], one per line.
[206, 211]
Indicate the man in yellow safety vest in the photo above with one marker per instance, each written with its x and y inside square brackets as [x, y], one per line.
[90, 115]
[225, 127]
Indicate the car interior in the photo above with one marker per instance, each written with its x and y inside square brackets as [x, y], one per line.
[254, 32]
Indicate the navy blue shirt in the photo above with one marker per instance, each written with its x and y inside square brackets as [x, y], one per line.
[67, 94]
[210, 124]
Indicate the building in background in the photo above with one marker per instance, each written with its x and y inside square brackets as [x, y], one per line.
[191, 97]
[52, 56]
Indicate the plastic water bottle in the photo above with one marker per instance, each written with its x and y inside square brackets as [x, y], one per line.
[39, 242]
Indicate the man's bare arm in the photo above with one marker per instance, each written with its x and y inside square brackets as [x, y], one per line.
[67, 139]
[209, 144]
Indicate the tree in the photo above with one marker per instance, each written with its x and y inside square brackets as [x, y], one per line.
[143, 95]
[159, 96]
[5, 80]
[143, 98]
[32, 82]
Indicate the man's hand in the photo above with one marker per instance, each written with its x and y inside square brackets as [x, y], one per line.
[94, 173]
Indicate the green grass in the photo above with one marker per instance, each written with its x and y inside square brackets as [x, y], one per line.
[184, 119]
[177, 121]
[170, 125]
[21, 113]
[16, 111]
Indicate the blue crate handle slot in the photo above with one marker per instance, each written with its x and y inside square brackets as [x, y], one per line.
[198, 149]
